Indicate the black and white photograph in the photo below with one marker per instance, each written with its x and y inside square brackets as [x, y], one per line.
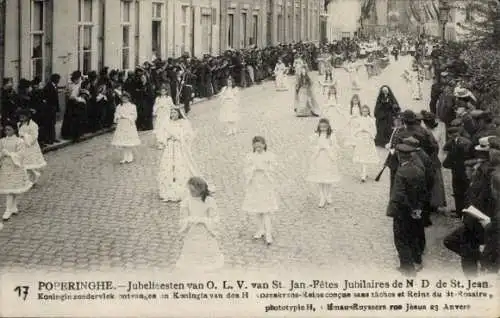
[197, 137]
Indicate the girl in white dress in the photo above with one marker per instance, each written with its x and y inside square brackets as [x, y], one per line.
[126, 136]
[280, 71]
[198, 222]
[33, 158]
[230, 106]
[354, 112]
[161, 113]
[352, 67]
[338, 117]
[14, 179]
[176, 163]
[329, 85]
[414, 78]
[365, 151]
[323, 165]
[260, 196]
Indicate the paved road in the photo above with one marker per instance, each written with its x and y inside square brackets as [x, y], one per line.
[89, 212]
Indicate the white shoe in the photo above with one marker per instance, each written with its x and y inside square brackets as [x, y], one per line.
[15, 212]
[269, 239]
[329, 199]
[258, 235]
[123, 161]
[7, 215]
[322, 203]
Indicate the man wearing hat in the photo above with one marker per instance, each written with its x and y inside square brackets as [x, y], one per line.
[405, 207]
[490, 258]
[485, 126]
[459, 150]
[465, 240]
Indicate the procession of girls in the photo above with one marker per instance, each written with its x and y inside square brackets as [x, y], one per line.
[21, 160]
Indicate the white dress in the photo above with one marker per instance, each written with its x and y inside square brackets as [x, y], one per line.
[13, 176]
[352, 126]
[280, 73]
[439, 132]
[353, 70]
[198, 220]
[230, 105]
[176, 163]
[126, 134]
[416, 85]
[323, 164]
[365, 151]
[260, 195]
[161, 112]
[32, 157]
[338, 118]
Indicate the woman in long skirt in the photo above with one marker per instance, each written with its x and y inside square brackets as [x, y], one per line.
[305, 103]
[365, 151]
[198, 223]
[126, 136]
[14, 179]
[176, 163]
[161, 113]
[438, 130]
[33, 157]
[323, 164]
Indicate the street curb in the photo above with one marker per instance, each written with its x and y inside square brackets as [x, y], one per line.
[66, 143]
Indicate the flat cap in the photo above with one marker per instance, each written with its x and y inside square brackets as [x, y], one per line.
[411, 141]
[454, 130]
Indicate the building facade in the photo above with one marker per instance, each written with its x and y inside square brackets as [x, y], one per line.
[292, 21]
[42, 37]
[54, 36]
[343, 18]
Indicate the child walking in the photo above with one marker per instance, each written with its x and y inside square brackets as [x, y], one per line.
[260, 197]
[323, 166]
[33, 159]
[230, 105]
[354, 113]
[365, 151]
[14, 179]
[198, 222]
[126, 136]
[161, 112]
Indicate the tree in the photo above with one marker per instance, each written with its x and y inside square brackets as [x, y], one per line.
[482, 23]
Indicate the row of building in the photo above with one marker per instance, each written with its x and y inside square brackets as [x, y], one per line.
[40, 37]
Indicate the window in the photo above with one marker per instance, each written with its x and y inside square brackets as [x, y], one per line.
[125, 23]
[37, 39]
[230, 30]
[297, 27]
[137, 30]
[156, 29]
[243, 34]
[280, 29]
[206, 30]
[85, 35]
[255, 29]
[184, 29]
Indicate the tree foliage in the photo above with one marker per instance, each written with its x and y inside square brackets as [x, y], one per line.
[481, 25]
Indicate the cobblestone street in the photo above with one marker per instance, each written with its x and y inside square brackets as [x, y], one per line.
[91, 213]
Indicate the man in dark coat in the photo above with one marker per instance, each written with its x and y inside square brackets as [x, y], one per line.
[465, 240]
[459, 150]
[490, 258]
[436, 90]
[405, 207]
[424, 162]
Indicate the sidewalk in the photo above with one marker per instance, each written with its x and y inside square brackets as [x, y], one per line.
[64, 143]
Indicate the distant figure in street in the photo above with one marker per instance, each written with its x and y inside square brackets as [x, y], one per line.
[323, 164]
[198, 223]
[386, 108]
[161, 113]
[126, 136]
[280, 71]
[260, 195]
[14, 179]
[176, 163]
[365, 151]
[230, 106]
[28, 132]
[305, 103]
